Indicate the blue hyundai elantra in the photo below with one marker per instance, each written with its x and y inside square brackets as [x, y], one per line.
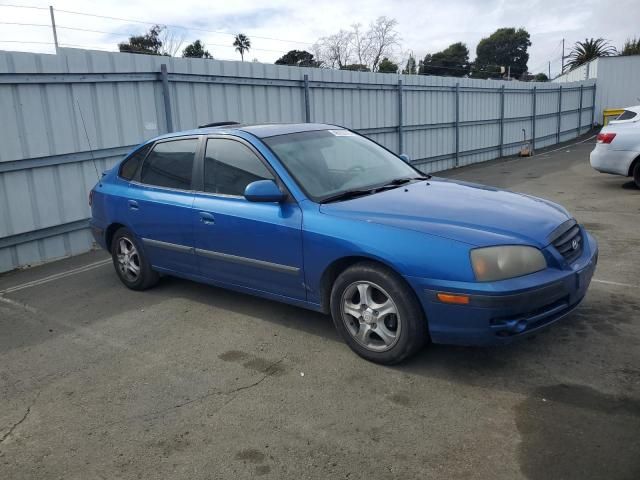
[321, 217]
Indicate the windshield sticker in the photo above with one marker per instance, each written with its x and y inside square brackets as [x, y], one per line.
[342, 133]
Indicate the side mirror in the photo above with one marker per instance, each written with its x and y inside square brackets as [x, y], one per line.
[405, 157]
[264, 191]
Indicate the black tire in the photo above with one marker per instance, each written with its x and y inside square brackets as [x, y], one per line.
[636, 173]
[411, 331]
[146, 277]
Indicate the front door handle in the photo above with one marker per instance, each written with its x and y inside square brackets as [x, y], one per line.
[207, 218]
[133, 205]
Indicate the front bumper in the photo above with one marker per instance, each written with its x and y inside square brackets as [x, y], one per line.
[500, 312]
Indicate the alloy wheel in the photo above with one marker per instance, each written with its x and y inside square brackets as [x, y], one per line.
[370, 316]
[128, 259]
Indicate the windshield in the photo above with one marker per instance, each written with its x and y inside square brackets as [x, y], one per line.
[328, 162]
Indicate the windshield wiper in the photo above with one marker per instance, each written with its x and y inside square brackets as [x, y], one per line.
[396, 182]
[403, 180]
[347, 195]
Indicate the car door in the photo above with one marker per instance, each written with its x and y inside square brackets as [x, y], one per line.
[249, 244]
[159, 204]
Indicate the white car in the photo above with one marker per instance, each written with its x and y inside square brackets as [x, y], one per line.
[618, 146]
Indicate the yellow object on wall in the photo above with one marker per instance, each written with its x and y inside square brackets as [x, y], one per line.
[611, 114]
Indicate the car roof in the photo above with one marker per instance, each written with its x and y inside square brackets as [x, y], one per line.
[263, 130]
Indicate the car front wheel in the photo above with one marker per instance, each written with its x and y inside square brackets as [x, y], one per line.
[636, 173]
[377, 313]
[130, 262]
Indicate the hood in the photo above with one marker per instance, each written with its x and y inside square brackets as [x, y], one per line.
[465, 212]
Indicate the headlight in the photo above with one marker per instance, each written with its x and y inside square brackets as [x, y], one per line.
[507, 261]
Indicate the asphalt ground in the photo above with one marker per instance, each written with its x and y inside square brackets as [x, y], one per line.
[187, 381]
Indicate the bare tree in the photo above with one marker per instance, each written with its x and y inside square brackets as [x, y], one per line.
[362, 48]
[362, 44]
[383, 37]
[171, 42]
[336, 50]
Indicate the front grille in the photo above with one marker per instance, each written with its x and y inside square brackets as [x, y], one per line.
[569, 243]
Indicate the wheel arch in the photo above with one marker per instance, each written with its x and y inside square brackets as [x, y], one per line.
[339, 265]
[110, 231]
[633, 165]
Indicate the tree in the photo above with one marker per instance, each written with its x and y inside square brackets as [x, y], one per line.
[506, 47]
[298, 58]
[541, 77]
[453, 61]
[356, 67]
[361, 44]
[196, 50]
[631, 47]
[149, 43]
[583, 52]
[382, 37]
[242, 44]
[335, 50]
[171, 42]
[410, 68]
[358, 47]
[387, 66]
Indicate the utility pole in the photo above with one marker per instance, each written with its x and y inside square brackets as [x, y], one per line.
[509, 72]
[53, 26]
[562, 68]
[549, 71]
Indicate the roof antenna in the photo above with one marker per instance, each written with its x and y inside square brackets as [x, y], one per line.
[93, 160]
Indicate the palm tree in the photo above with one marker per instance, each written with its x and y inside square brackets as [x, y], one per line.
[583, 52]
[242, 44]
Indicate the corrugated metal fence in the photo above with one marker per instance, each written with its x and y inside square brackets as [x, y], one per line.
[55, 109]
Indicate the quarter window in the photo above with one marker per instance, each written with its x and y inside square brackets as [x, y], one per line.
[130, 166]
[170, 164]
[229, 166]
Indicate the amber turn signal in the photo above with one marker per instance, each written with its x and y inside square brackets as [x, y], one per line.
[451, 298]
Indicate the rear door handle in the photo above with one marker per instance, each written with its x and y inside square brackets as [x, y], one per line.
[207, 218]
[133, 205]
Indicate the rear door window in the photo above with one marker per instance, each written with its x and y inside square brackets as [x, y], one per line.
[229, 166]
[170, 164]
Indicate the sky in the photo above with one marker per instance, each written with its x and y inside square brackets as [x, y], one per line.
[277, 26]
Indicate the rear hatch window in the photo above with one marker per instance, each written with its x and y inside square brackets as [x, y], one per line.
[626, 115]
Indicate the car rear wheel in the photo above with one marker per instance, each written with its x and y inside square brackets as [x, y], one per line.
[377, 313]
[131, 265]
[636, 173]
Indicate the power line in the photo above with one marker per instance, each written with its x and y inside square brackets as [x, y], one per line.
[216, 32]
[71, 12]
[63, 27]
[26, 24]
[23, 6]
[20, 41]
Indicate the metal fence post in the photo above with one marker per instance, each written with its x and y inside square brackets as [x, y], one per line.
[559, 114]
[593, 105]
[307, 106]
[167, 98]
[400, 124]
[533, 120]
[457, 124]
[502, 121]
[579, 114]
